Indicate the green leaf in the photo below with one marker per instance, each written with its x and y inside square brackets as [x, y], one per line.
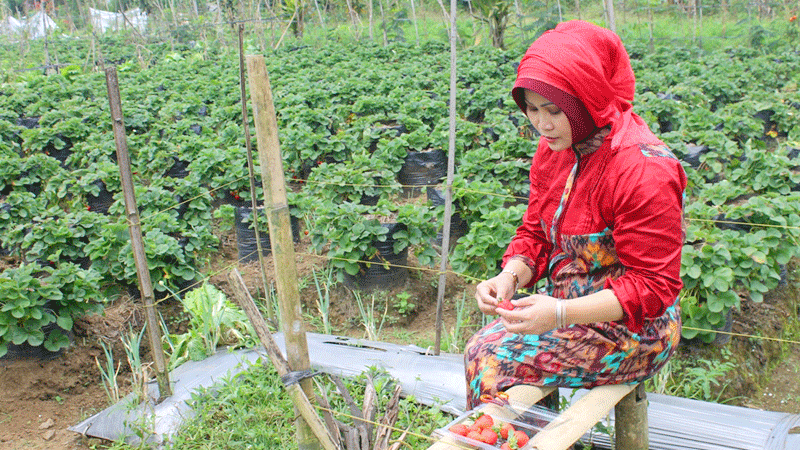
[56, 341]
[694, 271]
[758, 286]
[759, 257]
[36, 338]
[715, 304]
[64, 322]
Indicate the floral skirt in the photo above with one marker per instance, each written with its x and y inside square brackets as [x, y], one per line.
[579, 356]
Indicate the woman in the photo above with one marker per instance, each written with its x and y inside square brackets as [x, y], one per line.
[604, 227]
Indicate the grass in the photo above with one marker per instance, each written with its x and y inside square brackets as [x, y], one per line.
[251, 410]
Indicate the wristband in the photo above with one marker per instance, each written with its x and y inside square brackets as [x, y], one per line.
[513, 274]
[561, 314]
[558, 314]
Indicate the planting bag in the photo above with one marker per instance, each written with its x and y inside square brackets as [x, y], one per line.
[373, 274]
[423, 168]
[246, 242]
[458, 226]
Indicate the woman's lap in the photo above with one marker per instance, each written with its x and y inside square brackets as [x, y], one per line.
[580, 356]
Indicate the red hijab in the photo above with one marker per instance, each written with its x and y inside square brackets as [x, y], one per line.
[579, 62]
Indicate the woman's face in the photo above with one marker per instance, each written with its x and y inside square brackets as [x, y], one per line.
[549, 120]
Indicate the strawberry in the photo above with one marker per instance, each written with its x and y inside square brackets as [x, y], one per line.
[459, 429]
[484, 421]
[505, 429]
[506, 446]
[521, 438]
[506, 304]
[488, 436]
[474, 427]
[475, 435]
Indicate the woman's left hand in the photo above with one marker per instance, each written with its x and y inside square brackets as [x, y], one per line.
[532, 315]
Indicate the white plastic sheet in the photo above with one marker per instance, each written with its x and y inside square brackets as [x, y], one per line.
[37, 25]
[11, 26]
[103, 21]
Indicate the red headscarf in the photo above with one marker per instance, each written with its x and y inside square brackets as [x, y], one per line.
[583, 61]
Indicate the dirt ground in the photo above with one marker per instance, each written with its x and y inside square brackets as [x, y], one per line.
[41, 397]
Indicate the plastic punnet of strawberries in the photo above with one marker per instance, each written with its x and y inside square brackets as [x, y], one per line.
[492, 432]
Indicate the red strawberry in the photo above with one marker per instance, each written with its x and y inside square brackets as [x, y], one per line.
[459, 429]
[484, 421]
[521, 438]
[475, 435]
[474, 427]
[506, 304]
[488, 436]
[505, 429]
[506, 446]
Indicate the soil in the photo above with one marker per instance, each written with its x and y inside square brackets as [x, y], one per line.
[42, 395]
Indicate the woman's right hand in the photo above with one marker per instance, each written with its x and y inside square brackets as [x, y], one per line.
[491, 292]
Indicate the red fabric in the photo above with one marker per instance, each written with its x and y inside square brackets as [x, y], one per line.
[631, 185]
[586, 61]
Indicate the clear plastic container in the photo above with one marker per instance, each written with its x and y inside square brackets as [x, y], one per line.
[530, 421]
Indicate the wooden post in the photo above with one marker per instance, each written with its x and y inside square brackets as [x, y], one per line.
[630, 421]
[139, 255]
[251, 169]
[612, 20]
[448, 203]
[280, 232]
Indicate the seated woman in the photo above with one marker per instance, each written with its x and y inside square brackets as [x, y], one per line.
[604, 228]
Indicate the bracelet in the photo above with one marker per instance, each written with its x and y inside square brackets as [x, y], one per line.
[559, 319]
[513, 274]
[561, 314]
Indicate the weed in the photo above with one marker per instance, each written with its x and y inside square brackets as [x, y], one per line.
[403, 305]
[371, 325]
[108, 374]
[323, 282]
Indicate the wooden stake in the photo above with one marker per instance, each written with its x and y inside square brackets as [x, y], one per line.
[139, 255]
[448, 197]
[251, 168]
[280, 231]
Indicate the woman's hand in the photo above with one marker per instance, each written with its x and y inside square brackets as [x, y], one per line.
[491, 292]
[531, 315]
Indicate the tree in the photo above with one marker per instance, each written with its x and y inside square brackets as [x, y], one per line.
[495, 13]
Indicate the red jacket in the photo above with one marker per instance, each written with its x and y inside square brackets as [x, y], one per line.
[621, 226]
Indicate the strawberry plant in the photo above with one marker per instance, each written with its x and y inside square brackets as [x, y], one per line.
[349, 231]
[362, 176]
[35, 297]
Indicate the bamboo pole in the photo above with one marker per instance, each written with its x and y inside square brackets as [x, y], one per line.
[448, 198]
[299, 398]
[414, 19]
[250, 167]
[280, 232]
[139, 255]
